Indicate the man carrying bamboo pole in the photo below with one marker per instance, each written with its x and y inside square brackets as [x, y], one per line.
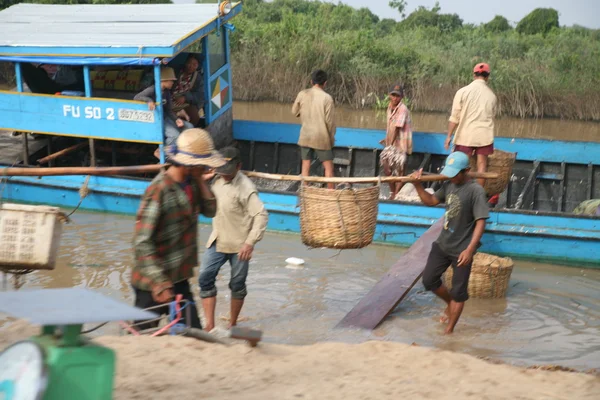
[464, 224]
[472, 117]
[315, 109]
[165, 240]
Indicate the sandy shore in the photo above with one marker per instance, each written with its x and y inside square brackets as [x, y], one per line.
[182, 368]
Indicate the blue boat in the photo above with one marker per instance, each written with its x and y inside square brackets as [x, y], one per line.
[533, 220]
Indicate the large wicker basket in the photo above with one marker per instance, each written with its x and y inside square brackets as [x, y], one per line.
[340, 218]
[489, 278]
[500, 162]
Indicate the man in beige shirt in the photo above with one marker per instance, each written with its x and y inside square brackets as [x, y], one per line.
[473, 112]
[315, 109]
[240, 222]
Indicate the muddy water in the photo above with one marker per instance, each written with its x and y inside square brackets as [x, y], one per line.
[428, 122]
[551, 315]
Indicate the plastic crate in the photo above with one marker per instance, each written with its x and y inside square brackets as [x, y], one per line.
[29, 236]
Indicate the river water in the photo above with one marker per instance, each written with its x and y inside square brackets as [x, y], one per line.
[427, 122]
[550, 316]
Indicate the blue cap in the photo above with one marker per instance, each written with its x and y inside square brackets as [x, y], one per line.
[455, 163]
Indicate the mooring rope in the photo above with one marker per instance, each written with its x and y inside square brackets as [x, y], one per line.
[83, 192]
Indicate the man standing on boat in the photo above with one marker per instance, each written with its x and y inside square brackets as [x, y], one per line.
[240, 223]
[472, 117]
[398, 139]
[171, 120]
[464, 224]
[315, 109]
[165, 240]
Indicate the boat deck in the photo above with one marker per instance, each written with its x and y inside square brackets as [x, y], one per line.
[11, 147]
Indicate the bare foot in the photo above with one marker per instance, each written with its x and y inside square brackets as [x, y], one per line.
[445, 316]
[209, 328]
[448, 331]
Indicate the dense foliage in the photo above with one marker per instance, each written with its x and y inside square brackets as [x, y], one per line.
[555, 72]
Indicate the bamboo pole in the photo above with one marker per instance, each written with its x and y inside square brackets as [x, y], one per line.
[58, 154]
[143, 169]
[368, 179]
[95, 171]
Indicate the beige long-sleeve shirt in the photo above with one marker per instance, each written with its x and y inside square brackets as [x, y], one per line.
[473, 109]
[315, 109]
[241, 215]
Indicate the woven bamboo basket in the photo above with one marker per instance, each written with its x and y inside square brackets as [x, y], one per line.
[489, 278]
[500, 162]
[340, 218]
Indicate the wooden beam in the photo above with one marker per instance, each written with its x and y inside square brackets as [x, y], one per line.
[530, 182]
[58, 154]
[561, 195]
[395, 285]
[96, 171]
[366, 179]
[350, 169]
[25, 149]
[276, 159]
[590, 181]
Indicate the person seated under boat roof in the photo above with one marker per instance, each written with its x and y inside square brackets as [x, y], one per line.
[173, 121]
[188, 91]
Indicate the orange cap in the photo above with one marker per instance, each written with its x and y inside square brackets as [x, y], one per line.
[482, 67]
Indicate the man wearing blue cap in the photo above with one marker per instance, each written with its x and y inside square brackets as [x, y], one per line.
[464, 223]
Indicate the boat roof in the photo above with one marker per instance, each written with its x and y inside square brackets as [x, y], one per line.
[134, 30]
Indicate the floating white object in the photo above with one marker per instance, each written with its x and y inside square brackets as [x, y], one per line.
[295, 261]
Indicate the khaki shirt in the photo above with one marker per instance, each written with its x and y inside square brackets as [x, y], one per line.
[473, 109]
[241, 215]
[315, 108]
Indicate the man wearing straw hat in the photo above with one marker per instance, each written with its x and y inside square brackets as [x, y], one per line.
[464, 224]
[171, 120]
[165, 239]
[240, 223]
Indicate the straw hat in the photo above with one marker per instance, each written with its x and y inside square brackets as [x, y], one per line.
[194, 147]
[167, 74]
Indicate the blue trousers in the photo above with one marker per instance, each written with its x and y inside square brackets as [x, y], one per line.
[212, 261]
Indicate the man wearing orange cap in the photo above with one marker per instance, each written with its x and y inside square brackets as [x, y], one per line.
[472, 119]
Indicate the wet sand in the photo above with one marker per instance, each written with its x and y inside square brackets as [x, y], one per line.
[181, 368]
[551, 314]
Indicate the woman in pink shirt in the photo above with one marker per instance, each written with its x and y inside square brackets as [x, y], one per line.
[398, 139]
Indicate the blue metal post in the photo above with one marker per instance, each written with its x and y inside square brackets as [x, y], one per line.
[19, 77]
[207, 91]
[159, 109]
[87, 81]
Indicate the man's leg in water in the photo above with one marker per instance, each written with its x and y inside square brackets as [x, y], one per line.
[437, 263]
[459, 293]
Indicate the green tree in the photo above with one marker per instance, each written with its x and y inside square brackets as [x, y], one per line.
[423, 17]
[400, 6]
[498, 24]
[540, 20]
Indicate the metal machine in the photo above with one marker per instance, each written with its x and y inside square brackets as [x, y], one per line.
[61, 364]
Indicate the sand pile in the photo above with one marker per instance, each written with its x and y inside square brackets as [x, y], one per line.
[182, 368]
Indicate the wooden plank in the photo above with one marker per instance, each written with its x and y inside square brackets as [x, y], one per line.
[395, 285]
[528, 185]
[252, 336]
[561, 195]
[590, 181]
[60, 153]
[275, 168]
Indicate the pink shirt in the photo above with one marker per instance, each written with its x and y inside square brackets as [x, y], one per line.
[399, 117]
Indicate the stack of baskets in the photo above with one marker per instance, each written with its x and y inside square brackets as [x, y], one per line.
[500, 162]
[340, 218]
[489, 278]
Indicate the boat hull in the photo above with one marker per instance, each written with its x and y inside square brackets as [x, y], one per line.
[560, 239]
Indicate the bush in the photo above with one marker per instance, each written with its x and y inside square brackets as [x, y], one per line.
[539, 21]
[498, 24]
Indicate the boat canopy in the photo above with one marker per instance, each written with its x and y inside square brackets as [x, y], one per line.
[105, 34]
